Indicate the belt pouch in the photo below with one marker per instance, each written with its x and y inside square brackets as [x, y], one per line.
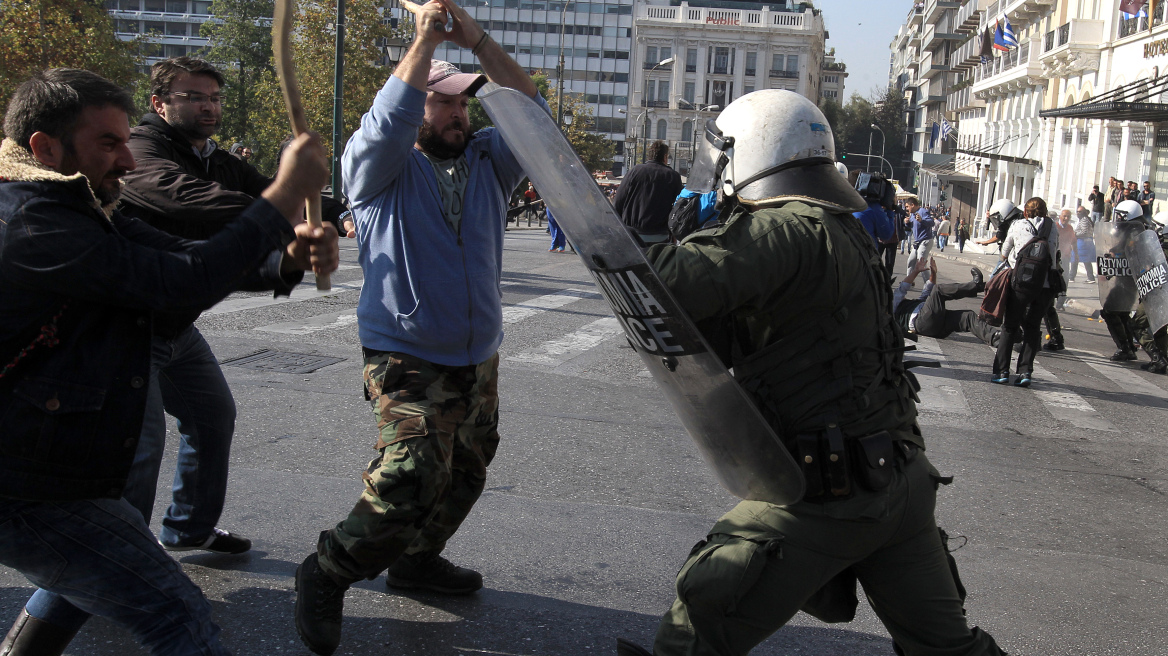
[809, 460]
[837, 462]
[874, 461]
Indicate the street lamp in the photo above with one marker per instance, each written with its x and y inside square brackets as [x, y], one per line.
[395, 48]
[560, 72]
[883, 141]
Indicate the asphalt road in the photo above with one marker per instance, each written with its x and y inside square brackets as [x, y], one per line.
[597, 494]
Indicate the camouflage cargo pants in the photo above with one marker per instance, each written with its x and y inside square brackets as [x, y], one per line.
[437, 432]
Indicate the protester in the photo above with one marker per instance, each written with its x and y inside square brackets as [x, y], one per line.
[559, 239]
[822, 358]
[1026, 304]
[922, 234]
[928, 314]
[1097, 199]
[1146, 199]
[962, 235]
[1067, 249]
[430, 347]
[80, 284]
[1084, 248]
[646, 195]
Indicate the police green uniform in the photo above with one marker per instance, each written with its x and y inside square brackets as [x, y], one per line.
[793, 298]
[1153, 343]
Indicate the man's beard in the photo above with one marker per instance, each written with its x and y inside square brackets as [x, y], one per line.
[434, 145]
[192, 129]
[103, 193]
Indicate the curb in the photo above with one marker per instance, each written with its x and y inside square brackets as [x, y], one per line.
[1072, 306]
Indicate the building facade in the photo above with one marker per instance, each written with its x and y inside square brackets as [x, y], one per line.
[171, 27]
[595, 39]
[831, 85]
[694, 58]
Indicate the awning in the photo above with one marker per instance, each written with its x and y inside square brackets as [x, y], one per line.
[901, 194]
[1001, 158]
[1124, 103]
[949, 170]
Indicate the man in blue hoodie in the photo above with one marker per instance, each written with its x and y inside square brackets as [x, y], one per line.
[922, 235]
[430, 203]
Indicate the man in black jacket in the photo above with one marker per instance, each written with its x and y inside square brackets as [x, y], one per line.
[185, 185]
[80, 284]
[646, 195]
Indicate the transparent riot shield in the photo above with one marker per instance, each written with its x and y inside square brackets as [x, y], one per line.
[1117, 288]
[1150, 272]
[733, 438]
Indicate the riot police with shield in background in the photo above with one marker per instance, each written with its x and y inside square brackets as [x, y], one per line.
[790, 290]
[1117, 289]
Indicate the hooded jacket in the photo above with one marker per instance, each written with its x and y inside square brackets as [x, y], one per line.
[79, 284]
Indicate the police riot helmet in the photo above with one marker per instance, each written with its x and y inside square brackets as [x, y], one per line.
[1161, 220]
[842, 168]
[1003, 210]
[771, 147]
[1128, 210]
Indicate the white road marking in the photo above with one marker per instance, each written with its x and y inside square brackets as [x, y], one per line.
[313, 324]
[1068, 406]
[533, 306]
[1123, 378]
[940, 391]
[303, 292]
[558, 351]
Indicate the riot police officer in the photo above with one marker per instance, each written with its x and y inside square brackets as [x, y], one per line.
[790, 290]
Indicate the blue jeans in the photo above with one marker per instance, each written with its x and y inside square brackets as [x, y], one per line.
[1086, 255]
[186, 382]
[942, 240]
[559, 239]
[99, 555]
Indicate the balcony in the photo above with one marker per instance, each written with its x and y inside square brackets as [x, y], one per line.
[969, 16]
[649, 66]
[750, 72]
[933, 64]
[662, 104]
[765, 19]
[934, 9]
[1016, 69]
[915, 15]
[1073, 48]
[932, 38]
[1020, 12]
[794, 75]
[963, 99]
[720, 70]
[968, 55]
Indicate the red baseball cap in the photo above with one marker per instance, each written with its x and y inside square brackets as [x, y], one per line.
[449, 79]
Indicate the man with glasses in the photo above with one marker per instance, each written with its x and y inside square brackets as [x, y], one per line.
[186, 185]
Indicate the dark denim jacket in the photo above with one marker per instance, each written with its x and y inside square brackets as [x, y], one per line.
[70, 414]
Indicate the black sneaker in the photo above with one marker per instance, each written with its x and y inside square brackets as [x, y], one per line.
[1122, 356]
[626, 648]
[320, 604]
[219, 541]
[432, 572]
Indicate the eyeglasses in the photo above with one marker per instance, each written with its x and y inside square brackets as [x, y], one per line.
[198, 98]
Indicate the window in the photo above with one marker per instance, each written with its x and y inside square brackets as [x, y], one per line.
[777, 62]
[650, 91]
[176, 29]
[158, 6]
[663, 90]
[129, 5]
[749, 88]
[751, 62]
[130, 27]
[616, 54]
[155, 27]
[721, 60]
[831, 79]
[689, 92]
[662, 127]
[201, 7]
[792, 62]
[651, 55]
[666, 52]
[175, 51]
[691, 60]
[687, 130]
[511, 27]
[719, 94]
[176, 6]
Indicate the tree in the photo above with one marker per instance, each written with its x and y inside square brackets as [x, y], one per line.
[39, 34]
[851, 128]
[241, 47]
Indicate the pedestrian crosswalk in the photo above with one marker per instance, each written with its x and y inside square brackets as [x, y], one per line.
[579, 341]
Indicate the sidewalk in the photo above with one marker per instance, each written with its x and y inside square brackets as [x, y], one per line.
[1082, 298]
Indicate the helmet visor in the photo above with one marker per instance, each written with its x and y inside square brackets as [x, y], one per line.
[709, 160]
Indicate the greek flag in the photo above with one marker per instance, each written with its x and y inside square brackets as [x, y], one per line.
[1004, 38]
[1133, 8]
[946, 129]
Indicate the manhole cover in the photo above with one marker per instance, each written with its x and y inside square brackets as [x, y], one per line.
[283, 362]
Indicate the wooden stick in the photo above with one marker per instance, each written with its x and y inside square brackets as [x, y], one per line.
[286, 71]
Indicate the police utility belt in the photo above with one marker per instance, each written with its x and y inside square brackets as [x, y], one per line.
[835, 466]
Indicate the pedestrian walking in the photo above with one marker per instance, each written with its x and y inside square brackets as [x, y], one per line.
[1067, 248]
[943, 234]
[962, 235]
[559, 239]
[430, 351]
[1030, 252]
[1084, 248]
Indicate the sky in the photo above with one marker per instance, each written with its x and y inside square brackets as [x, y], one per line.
[861, 31]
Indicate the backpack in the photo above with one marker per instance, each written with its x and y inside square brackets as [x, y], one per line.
[685, 217]
[1033, 264]
[993, 303]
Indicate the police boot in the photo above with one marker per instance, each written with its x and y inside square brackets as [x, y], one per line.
[1159, 363]
[430, 571]
[626, 648]
[1122, 355]
[32, 637]
[1054, 341]
[320, 605]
